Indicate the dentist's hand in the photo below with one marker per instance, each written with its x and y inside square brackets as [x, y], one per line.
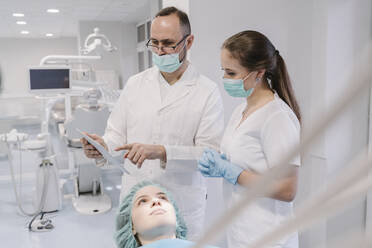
[138, 153]
[89, 150]
[213, 164]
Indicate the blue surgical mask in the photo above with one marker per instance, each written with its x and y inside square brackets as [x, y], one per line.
[168, 62]
[235, 87]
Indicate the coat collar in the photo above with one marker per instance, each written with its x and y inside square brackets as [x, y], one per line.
[181, 88]
[189, 77]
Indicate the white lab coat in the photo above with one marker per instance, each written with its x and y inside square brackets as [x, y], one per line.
[257, 145]
[189, 119]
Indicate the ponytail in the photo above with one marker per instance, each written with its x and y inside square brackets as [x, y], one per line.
[281, 83]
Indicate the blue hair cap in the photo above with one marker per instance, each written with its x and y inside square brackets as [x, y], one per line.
[124, 237]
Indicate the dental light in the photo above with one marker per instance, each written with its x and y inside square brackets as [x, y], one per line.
[100, 42]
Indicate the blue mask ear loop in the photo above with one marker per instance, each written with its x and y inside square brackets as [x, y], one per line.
[257, 80]
[181, 51]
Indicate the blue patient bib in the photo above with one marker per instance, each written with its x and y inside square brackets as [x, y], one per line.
[173, 243]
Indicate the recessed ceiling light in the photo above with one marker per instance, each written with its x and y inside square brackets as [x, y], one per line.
[49, 35]
[25, 32]
[21, 22]
[18, 15]
[53, 10]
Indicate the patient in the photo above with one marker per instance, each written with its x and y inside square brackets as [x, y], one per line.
[148, 217]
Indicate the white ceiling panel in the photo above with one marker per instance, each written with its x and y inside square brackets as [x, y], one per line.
[65, 23]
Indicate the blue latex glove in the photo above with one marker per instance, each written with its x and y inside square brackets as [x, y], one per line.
[214, 164]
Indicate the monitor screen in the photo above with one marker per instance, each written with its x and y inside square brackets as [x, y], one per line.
[54, 79]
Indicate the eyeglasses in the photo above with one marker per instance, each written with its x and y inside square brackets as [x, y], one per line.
[167, 49]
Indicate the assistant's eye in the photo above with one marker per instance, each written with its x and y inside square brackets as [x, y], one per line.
[231, 73]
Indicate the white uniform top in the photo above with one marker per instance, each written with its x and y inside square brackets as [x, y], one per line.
[256, 145]
[165, 88]
[188, 119]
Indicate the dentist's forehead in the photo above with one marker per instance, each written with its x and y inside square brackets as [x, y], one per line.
[166, 27]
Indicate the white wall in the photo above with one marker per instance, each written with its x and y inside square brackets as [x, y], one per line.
[124, 37]
[179, 4]
[349, 31]
[274, 18]
[113, 30]
[319, 40]
[17, 54]
[129, 58]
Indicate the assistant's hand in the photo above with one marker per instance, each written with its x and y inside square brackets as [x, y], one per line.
[138, 153]
[89, 150]
[207, 164]
[213, 164]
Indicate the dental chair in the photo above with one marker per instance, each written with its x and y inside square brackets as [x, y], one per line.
[89, 197]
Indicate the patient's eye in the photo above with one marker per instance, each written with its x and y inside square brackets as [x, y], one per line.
[143, 200]
[163, 197]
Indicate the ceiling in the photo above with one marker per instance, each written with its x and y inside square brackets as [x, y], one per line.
[65, 23]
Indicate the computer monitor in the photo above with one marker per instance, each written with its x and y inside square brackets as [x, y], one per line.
[49, 79]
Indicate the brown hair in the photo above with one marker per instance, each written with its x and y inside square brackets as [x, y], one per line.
[254, 51]
[182, 16]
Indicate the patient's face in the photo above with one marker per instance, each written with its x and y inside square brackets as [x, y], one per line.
[152, 212]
